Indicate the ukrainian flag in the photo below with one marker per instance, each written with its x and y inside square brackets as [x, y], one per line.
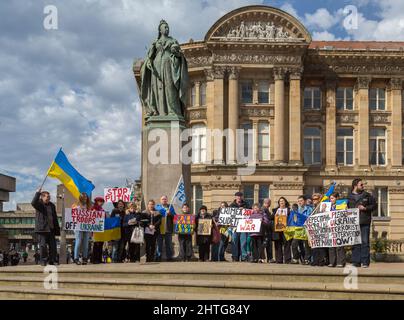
[329, 192]
[73, 181]
[295, 228]
[112, 230]
[341, 204]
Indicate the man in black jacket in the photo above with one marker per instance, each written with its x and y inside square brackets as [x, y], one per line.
[46, 226]
[366, 203]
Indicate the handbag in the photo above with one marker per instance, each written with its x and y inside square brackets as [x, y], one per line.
[148, 230]
[137, 236]
[216, 235]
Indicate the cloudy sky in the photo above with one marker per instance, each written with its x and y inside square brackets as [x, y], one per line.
[73, 87]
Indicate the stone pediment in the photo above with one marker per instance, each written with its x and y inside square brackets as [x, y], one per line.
[258, 24]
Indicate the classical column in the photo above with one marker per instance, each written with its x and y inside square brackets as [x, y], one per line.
[280, 123]
[233, 115]
[331, 127]
[363, 123]
[255, 91]
[210, 112]
[197, 93]
[396, 86]
[295, 118]
[255, 141]
[218, 120]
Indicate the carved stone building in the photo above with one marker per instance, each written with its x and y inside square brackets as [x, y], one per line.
[319, 111]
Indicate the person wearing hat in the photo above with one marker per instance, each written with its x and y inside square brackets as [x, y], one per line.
[203, 241]
[97, 246]
[239, 240]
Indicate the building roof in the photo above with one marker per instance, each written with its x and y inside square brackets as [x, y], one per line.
[357, 45]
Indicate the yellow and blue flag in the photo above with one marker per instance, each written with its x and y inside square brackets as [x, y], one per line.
[73, 181]
[329, 192]
[341, 204]
[295, 227]
[112, 230]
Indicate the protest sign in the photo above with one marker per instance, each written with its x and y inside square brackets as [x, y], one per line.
[184, 223]
[231, 216]
[249, 225]
[334, 229]
[280, 223]
[325, 206]
[116, 194]
[204, 227]
[84, 220]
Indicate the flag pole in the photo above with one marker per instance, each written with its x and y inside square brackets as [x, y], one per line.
[176, 188]
[47, 172]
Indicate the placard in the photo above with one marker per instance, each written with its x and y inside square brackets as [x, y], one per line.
[249, 225]
[184, 223]
[78, 219]
[204, 227]
[334, 229]
[116, 194]
[231, 216]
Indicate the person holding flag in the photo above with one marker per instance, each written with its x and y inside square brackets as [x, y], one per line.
[165, 236]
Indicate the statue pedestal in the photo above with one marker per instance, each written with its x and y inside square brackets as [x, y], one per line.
[161, 173]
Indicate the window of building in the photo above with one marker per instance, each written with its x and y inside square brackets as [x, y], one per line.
[310, 190]
[193, 95]
[245, 148]
[377, 146]
[377, 99]
[312, 99]
[263, 193]
[248, 191]
[381, 196]
[246, 91]
[203, 94]
[1, 221]
[345, 146]
[344, 98]
[199, 144]
[263, 92]
[263, 141]
[312, 146]
[197, 198]
[402, 146]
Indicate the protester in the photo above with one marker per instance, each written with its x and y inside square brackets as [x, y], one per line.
[282, 246]
[336, 256]
[203, 241]
[25, 256]
[214, 248]
[257, 248]
[151, 220]
[239, 240]
[36, 257]
[268, 230]
[165, 236]
[300, 248]
[319, 255]
[130, 222]
[82, 238]
[185, 240]
[225, 236]
[97, 246]
[46, 226]
[118, 250]
[366, 203]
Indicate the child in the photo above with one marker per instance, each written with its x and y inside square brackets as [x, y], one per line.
[257, 237]
[203, 241]
[185, 240]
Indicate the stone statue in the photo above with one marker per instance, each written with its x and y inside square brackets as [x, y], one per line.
[164, 77]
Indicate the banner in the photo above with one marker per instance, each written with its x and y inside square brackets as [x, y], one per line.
[84, 220]
[179, 197]
[116, 194]
[249, 225]
[184, 223]
[204, 227]
[334, 229]
[231, 216]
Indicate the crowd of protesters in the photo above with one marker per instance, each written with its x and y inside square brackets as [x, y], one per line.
[156, 221]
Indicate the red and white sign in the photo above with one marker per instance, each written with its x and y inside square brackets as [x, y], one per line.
[249, 225]
[115, 194]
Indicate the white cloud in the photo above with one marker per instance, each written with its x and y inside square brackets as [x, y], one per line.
[321, 19]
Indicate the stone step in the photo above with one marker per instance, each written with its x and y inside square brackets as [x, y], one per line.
[220, 287]
[214, 271]
[35, 293]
